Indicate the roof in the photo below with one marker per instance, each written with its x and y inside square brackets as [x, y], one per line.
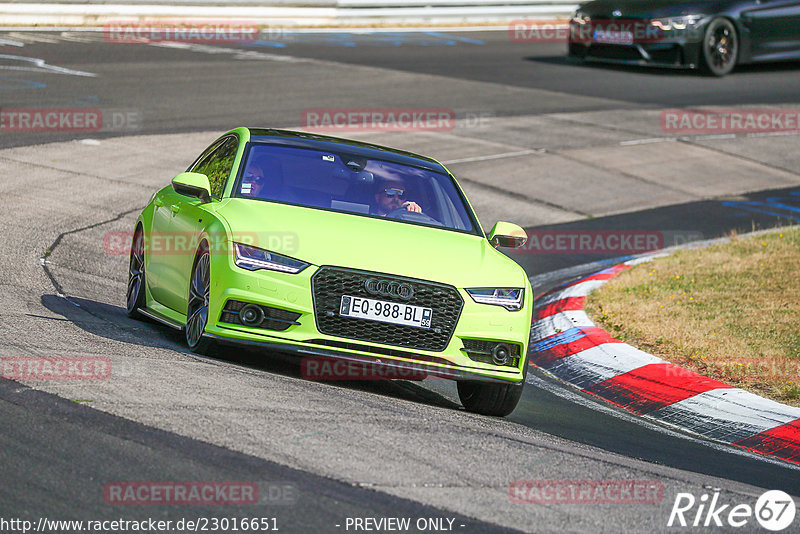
[337, 144]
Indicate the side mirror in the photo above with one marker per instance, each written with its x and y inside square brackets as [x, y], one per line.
[193, 184]
[505, 234]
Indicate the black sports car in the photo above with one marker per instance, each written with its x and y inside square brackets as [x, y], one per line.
[713, 35]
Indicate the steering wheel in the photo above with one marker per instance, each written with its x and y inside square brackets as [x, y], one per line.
[403, 214]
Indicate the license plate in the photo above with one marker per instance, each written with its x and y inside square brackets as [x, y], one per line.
[613, 36]
[386, 312]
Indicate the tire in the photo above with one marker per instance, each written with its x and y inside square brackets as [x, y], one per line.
[490, 399]
[720, 47]
[135, 295]
[197, 305]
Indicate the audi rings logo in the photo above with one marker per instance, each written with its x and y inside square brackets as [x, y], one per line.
[386, 288]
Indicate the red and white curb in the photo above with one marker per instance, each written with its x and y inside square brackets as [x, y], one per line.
[568, 345]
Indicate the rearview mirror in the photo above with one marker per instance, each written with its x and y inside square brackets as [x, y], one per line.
[506, 234]
[193, 184]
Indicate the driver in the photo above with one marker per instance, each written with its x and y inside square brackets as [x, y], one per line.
[253, 180]
[263, 178]
[390, 196]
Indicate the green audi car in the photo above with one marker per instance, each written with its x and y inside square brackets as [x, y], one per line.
[336, 251]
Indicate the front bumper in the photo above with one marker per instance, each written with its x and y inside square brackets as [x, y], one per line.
[680, 51]
[378, 366]
[476, 324]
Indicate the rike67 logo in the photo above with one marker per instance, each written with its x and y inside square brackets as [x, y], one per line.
[774, 511]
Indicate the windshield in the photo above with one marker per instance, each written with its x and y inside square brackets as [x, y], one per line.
[348, 183]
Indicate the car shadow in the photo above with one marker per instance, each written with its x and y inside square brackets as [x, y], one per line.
[111, 322]
[616, 67]
[776, 66]
[564, 60]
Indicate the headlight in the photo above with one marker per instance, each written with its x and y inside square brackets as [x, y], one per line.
[580, 17]
[254, 259]
[510, 299]
[676, 23]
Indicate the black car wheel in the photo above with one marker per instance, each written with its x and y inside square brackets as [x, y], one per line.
[490, 399]
[720, 47]
[197, 309]
[136, 285]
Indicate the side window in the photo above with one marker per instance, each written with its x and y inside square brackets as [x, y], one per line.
[217, 165]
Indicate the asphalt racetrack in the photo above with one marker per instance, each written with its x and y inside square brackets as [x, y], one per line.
[548, 144]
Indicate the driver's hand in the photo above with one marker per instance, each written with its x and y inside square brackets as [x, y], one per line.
[412, 206]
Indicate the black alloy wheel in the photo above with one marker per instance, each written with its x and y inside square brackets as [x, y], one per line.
[135, 295]
[720, 47]
[197, 309]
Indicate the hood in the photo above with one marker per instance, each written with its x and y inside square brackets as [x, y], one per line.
[324, 237]
[604, 9]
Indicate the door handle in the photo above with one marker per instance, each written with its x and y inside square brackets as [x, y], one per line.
[176, 208]
[158, 202]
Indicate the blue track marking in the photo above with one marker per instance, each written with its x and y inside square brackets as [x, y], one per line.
[348, 39]
[456, 38]
[15, 84]
[567, 336]
[770, 206]
[266, 44]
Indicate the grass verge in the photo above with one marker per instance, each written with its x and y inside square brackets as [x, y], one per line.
[730, 312]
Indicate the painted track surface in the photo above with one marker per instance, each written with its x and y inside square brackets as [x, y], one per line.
[570, 346]
[221, 418]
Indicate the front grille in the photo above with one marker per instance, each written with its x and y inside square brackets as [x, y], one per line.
[330, 283]
[480, 350]
[613, 51]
